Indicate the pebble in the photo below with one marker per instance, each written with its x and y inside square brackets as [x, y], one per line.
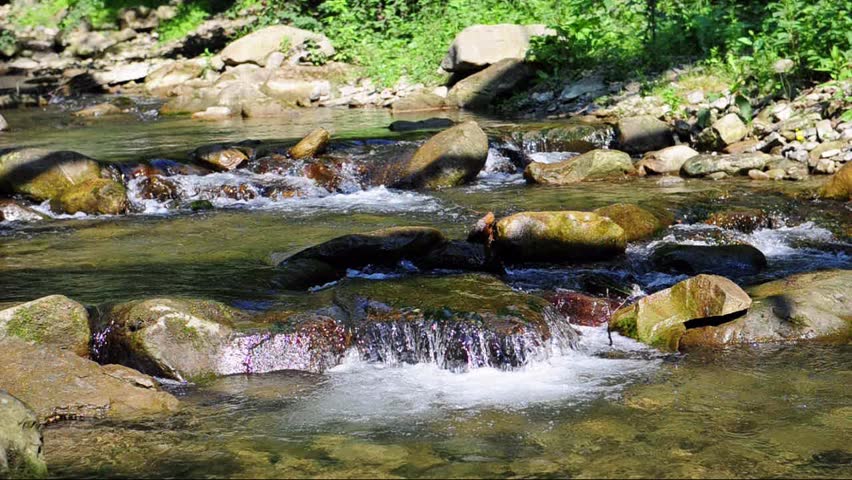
[830, 153]
[717, 175]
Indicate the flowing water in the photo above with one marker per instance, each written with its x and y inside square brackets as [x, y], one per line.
[581, 407]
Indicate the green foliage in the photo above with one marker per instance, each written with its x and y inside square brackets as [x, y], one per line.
[189, 16]
[8, 43]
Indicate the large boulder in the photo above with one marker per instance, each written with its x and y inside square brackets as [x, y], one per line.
[573, 136]
[456, 321]
[662, 318]
[450, 158]
[173, 74]
[643, 133]
[636, 222]
[381, 247]
[55, 320]
[597, 164]
[256, 47]
[313, 143]
[731, 164]
[716, 259]
[44, 174]
[478, 46]
[480, 90]
[557, 236]
[667, 160]
[96, 196]
[839, 185]
[59, 385]
[459, 255]
[725, 131]
[195, 340]
[20, 440]
[807, 306]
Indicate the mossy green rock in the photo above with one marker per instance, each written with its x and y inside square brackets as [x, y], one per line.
[636, 222]
[808, 306]
[55, 320]
[174, 338]
[660, 319]
[380, 247]
[839, 185]
[59, 385]
[731, 164]
[44, 174]
[558, 236]
[96, 196]
[450, 158]
[20, 440]
[594, 165]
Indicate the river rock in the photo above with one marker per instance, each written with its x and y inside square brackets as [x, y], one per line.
[13, 211]
[744, 220]
[450, 158]
[4, 125]
[313, 143]
[172, 338]
[667, 160]
[456, 321]
[717, 259]
[731, 164]
[96, 196]
[478, 46]
[574, 136]
[54, 320]
[172, 75]
[480, 90]
[594, 165]
[582, 309]
[59, 385]
[381, 247]
[557, 236]
[428, 124]
[643, 133]
[806, 306]
[44, 174]
[223, 157]
[99, 110]
[419, 102]
[636, 222]
[661, 319]
[726, 131]
[21, 442]
[839, 185]
[257, 46]
[459, 255]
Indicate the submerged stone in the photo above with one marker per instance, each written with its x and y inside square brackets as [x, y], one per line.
[557, 236]
[455, 321]
[21, 443]
[100, 196]
[55, 320]
[450, 158]
[807, 306]
[745, 220]
[662, 318]
[577, 137]
[59, 385]
[594, 165]
[582, 309]
[716, 259]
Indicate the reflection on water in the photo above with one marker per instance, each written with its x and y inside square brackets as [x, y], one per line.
[604, 413]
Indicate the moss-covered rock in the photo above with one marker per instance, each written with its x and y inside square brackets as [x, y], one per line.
[173, 338]
[55, 320]
[450, 158]
[594, 165]
[731, 164]
[381, 247]
[636, 222]
[59, 385]
[20, 440]
[313, 143]
[557, 236]
[716, 259]
[44, 174]
[455, 320]
[839, 185]
[803, 307]
[96, 196]
[661, 319]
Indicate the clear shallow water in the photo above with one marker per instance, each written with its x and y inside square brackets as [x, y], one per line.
[600, 411]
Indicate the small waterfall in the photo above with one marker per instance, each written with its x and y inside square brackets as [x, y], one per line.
[461, 346]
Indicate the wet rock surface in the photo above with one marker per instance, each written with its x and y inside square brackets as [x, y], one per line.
[21, 442]
[716, 259]
[55, 320]
[594, 165]
[450, 158]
